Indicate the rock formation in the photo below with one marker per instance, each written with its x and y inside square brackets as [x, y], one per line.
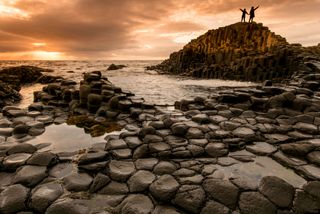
[242, 51]
[11, 80]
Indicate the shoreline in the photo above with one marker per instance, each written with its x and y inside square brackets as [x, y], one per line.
[196, 158]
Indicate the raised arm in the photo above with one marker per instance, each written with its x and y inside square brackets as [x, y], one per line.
[240, 9]
[256, 7]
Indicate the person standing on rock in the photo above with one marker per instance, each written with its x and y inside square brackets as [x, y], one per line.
[244, 13]
[252, 15]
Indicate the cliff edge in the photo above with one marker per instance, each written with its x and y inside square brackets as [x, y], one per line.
[241, 51]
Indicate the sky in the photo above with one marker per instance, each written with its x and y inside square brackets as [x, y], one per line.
[136, 29]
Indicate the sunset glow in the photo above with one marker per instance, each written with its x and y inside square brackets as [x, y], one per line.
[82, 29]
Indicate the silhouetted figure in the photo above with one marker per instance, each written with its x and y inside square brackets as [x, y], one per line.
[252, 15]
[244, 13]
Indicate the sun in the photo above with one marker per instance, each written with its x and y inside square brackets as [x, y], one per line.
[46, 55]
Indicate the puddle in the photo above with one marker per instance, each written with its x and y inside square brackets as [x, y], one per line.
[264, 166]
[65, 138]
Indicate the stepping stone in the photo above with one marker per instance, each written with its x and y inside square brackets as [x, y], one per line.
[164, 187]
[146, 164]
[121, 170]
[22, 148]
[310, 171]
[140, 181]
[138, 204]
[314, 157]
[42, 159]
[244, 132]
[115, 188]
[99, 181]
[67, 205]
[223, 191]
[214, 207]
[277, 191]
[77, 182]
[255, 203]
[216, 149]
[261, 148]
[7, 132]
[92, 157]
[30, 175]
[133, 142]
[44, 195]
[61, 170]
[13, 198]
[12, 162]
[190, 197]
[164, 167]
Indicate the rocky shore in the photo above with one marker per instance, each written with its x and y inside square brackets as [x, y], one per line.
[243, 150]
[13, 78]
[242, 51]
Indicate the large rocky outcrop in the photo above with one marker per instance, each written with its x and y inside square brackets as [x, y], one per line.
[242, 51]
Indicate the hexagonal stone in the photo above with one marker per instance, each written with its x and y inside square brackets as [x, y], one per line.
[137, 204]
[255, 203]
[261, 148]
[159, 147]
[61, 170]
[22, 148]
[7, 132]
[164, 167]
[44, 195]
[115, 188]
[310, 171]
[77, 182]
[92, 157]
[194, 133]
[161, 209]
[277, 191]
[116, 144]
[313, 188]
[99, 181]
[152, 139]
[67, 205]
[298, 149]
[133, 142]
[121, 170]
[190, 198]
[12, 162]
[214, 207]
[306, 127]
[30, 175]
[140, 181]
[201, 118]
[243, 132]
[43, 159]
[314, 157]
[305, 203]
[222, 190]
[216, 149]
[164, 187]
[13, 198]
[146, 164]
[179, 129]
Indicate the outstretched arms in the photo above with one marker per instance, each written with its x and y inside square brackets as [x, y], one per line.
[256, 7]
[241, 9]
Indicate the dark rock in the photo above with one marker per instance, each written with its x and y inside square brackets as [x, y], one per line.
[190, 198]
[67, 206]
[43, 159]
[138, 204]
[44, 195]
[22, 148]
[255, 203]
[115, 67]
[214, 207]
[223, 191]
[77, 182]
[13, 198]
[164, 187]
[140, 181]
[121, 170]
[277, 191]
[30, 175]
[99, 181]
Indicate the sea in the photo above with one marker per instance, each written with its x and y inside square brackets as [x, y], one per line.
[155, 88]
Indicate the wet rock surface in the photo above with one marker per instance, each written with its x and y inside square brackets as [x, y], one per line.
[209, 155]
